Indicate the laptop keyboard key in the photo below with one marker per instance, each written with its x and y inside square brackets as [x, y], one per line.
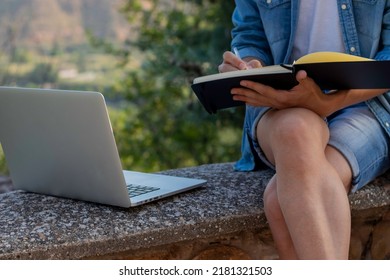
[135, 190]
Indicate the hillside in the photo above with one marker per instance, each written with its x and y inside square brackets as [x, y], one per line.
[45, 23]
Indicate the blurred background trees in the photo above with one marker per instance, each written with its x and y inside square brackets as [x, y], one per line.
[157, 120]
[176, 41]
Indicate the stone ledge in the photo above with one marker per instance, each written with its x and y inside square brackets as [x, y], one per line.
[227, 213]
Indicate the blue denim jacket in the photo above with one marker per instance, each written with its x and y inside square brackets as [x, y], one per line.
[265, 29]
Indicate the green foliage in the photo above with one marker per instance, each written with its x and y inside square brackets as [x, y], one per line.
[20, 56]
[165, 125]
[43, 73]
[3, 165]
[157, 120]
[187, 35]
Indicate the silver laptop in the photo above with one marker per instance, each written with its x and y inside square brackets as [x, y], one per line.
[61, 143]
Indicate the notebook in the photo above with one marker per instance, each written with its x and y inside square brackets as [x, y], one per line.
[330, 70]
[61, 143]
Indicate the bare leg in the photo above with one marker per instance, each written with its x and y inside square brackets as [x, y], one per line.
[277, 224]
[314, 210]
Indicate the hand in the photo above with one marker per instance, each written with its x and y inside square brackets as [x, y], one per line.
[306, 94]
[232, 63]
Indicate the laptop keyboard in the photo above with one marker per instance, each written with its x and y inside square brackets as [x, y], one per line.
[135, 190]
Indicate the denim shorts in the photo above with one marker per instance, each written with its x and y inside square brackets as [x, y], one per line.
[359, 137]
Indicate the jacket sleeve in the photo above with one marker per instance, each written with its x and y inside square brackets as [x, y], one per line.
[248, 34]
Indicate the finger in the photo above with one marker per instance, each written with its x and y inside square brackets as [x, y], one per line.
[224, 67]
[249, 94]
[301, 75]
[250, 97]
[232, 59]
[305, 81]
[254, 64]
[257, 87]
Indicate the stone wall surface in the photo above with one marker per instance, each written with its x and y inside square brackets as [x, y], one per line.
[5, 184]
[223, 220]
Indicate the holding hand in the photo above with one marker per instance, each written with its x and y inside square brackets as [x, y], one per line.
[306, 94]
[231, 62]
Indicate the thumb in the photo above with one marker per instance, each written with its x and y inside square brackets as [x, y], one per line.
[301, 76]
[304, 80]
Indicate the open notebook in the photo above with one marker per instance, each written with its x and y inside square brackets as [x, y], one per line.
[330, 70]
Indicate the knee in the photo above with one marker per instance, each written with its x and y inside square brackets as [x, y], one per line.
[297, 126]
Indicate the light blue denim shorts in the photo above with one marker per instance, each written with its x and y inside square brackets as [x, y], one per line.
[356, 133]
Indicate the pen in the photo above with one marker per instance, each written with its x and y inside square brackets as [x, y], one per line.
[235, 50]
[243, 65]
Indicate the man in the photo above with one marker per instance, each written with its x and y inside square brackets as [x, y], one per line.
[321, 145]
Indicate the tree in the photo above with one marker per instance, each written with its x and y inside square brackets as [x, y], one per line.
[42, 73]
[165, 125]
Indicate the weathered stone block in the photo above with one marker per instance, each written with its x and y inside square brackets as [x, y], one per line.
[223, 220]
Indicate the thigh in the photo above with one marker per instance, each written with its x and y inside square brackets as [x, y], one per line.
[359, 137]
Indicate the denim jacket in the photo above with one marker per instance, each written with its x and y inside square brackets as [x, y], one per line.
[265, 29]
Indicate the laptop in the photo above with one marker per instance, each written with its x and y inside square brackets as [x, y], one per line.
[61, 143]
